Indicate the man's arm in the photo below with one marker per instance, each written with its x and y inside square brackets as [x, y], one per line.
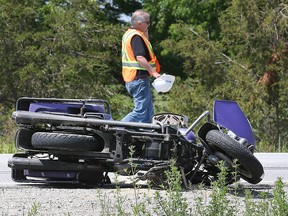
[145, 64]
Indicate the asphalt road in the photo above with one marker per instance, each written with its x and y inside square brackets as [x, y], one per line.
[275, 165]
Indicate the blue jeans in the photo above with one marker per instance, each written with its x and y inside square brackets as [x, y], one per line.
[143, 105]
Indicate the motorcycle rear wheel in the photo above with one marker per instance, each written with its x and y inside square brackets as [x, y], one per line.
[66, 141]
[250, 169]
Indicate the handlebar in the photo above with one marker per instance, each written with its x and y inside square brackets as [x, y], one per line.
[206, 113]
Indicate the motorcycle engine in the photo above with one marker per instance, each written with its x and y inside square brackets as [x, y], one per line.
[157, 150]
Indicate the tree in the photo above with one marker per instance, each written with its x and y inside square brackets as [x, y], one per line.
[115, 8]
[57, 49]
[229, 67]
[234, 50]
[166, 13]
[259, 37]
[66, 49]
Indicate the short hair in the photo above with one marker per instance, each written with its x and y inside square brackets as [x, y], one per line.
[139, 15]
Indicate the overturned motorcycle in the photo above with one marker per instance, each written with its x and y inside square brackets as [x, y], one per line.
[77, 141]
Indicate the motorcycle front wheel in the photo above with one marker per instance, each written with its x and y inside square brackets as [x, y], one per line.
[249, 168]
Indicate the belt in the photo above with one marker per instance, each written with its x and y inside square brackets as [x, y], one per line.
[137, 77]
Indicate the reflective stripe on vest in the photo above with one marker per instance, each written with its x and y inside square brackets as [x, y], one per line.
[135, 65]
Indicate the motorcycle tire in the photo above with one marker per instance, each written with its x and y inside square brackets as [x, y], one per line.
[250, 169]
[66, 141]
[23, 138]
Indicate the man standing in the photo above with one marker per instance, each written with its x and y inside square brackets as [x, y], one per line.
[138, 63]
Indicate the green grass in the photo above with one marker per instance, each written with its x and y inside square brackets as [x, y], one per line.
[7, 133]
[7, 145]
[220, 200]
[34, 210]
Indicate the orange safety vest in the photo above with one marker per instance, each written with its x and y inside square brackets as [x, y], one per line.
[129, 63]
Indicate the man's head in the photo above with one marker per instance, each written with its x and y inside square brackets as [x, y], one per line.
[140, 20]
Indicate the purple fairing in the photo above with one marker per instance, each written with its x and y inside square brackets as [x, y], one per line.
[65, 108]
[190, 136]
[229, 115]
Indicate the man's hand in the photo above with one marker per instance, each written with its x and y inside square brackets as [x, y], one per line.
[145, 64]
[155, 74]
